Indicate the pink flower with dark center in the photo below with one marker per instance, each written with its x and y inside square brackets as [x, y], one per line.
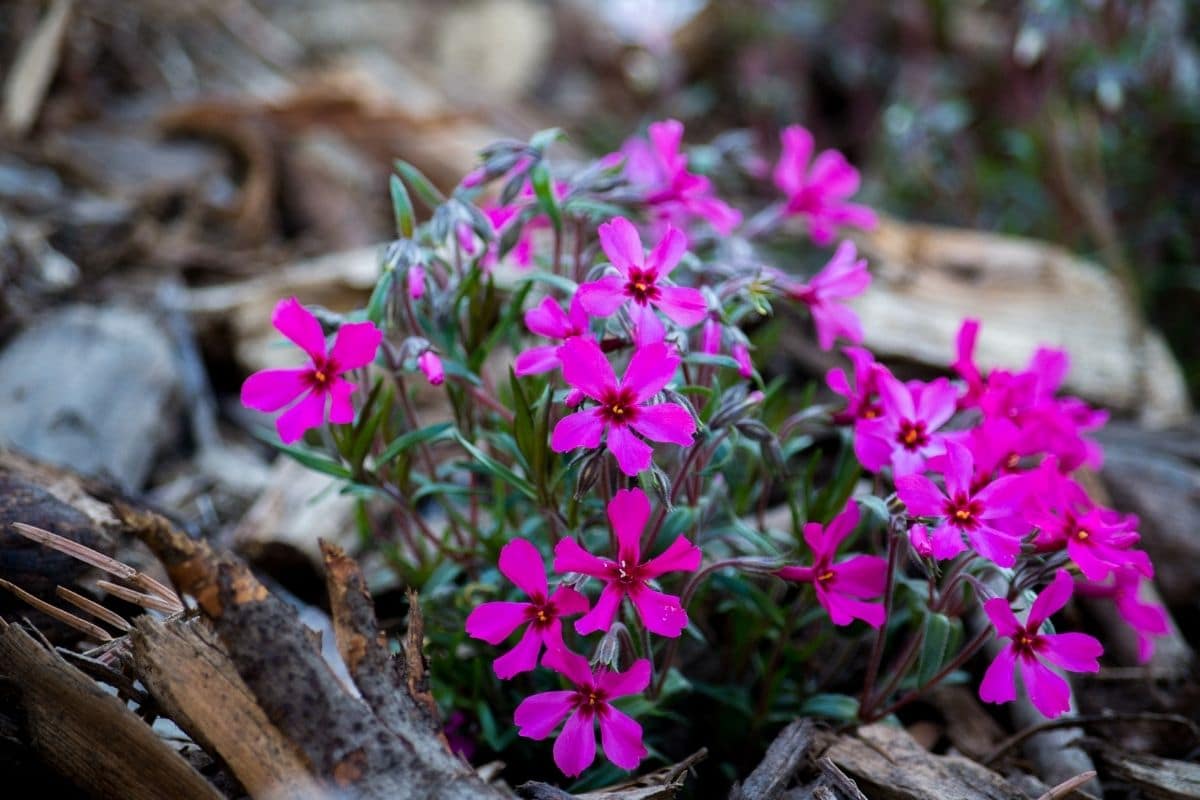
[626, 575]
[1097, 539]
[963, 511]
[587, 704]
[1147, 620]
[1074, 652]
[641, 279]
[548, 319]
[621, 405]
[659, 170]
[841, 586]
[819, 194]
[318, 386]
[861, 400]
[845, 276]
[521, 563]
[907, 432]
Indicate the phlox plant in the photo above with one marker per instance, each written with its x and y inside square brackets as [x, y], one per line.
[551, 415]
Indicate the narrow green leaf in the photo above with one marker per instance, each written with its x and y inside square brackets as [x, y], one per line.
[411, 439]
[491, 465]
[543, 187]
[938, 629]
[544, 138]
[425, 190]
[377, 305]
[402, 207]
[833, 706]
[315, 461]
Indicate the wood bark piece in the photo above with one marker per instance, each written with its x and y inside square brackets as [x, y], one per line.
[1159, 778]
[92, 388]
[88, 735]
[187, 671]
[1026, 293]
[790, 750]
[887, 764]
[349, 747]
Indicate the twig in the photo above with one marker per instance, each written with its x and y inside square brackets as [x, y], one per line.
[839, 778]
[66, 617]
[1068, 786]
[93, 608]
[1088, 719]
[140, 599]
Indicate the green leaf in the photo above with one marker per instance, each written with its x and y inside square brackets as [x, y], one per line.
[939, 630]
[711, 359]
[411, 439]
[523, 426]
[315, 461]
[515, 307]
[543, 187]
[402, 207]
[377, 305]
[491, 465]
[544, 138]
[425, 190]
[832, 706]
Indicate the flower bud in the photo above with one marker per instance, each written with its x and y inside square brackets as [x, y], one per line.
[429, 363]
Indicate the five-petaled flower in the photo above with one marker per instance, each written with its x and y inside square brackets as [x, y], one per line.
[621, 405]
[521, 563]
[1074, 652]
[905, 435]
[318, 386]
[587, 704]
[842, 586]
[983, 516]
[641, 280]
[626, 575]
[845, 276]
[549, 320]
[819, 194]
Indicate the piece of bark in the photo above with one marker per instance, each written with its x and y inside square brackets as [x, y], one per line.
[1159, 778]
[1027, 293]
[349, 747]
[887, 764]
[33, 67]
[92, 388]
[662, 784]
[187, 671]
[785, 756]
[88, 735]
[971, 729]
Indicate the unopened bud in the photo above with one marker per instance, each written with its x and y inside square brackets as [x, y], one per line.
[416, 282]
[589, 473]
[754, 429]
[429, 363]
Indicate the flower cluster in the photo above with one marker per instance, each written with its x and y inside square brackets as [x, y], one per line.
[633, 395]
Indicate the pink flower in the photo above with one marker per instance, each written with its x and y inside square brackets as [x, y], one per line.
[741, 354]
[429, 363]
[843, 277]
[521, 563]
[819, 194]
[548, 319]
[627, 576]
[962, 511]
[1098, 540]
[1147, 620]
[918, 537]
[840, 586]
[1074, 652]
[906, 434]
[318, 386]
[587, 703]
[659, 170]
[622, 407]
[641, 279]
[860, 398]
[416, 281]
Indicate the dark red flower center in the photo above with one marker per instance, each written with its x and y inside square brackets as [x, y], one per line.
[625, 572]
[322, 374]
[912, 435]
[1026, 643]
[541, 613]
[962, 511]
[826, 577]
[619, 406]
[642, 286]
[591, 701]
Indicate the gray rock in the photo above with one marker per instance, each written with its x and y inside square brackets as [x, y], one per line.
[96, 389]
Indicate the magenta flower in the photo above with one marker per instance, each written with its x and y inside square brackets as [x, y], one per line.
[318, 386]
[963, 511]
[1147, 620]
[845, 276]
[622, 407]
[641, 279]
[659, 170]
[1098, 540]
[416, 281]
[906, 433]
[1074, 652]
[861, 402]
[841, 586]
[819, 194]
[521, 563]
[627, 576]
[548, 319]
[587, 704]
[431, 365]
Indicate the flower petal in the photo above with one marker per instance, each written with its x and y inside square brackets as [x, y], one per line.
[628, 512]
[631, 681]
[667, 252]
[549, 320]
[650, 369]
[536, 360]
[632, 454]
[840, 527]
[539, 714]
[1001, 615]
[575, 748]
[1049, 692]
[341, 410]
[568, 602]
[622, 244]
[1076, 652]
[660, 613]
[522, 564]
[521, 658]
[999, 682]
[1052, 599]
[570, 664]
[581, 429]
[937, 403]
[601, 298]
[570, 557]
[601, 617]
[665, 422]
[861, 576]
[921, 495]
[680, 556]
[585, 367]
[308, 413]
[493, 622]
[272, 389]
[621, 737]
[356, 345]
[685, 306]
[797, 148]
[843, 610]
[298, 324]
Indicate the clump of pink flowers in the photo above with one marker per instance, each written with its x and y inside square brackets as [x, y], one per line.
[594, 499]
